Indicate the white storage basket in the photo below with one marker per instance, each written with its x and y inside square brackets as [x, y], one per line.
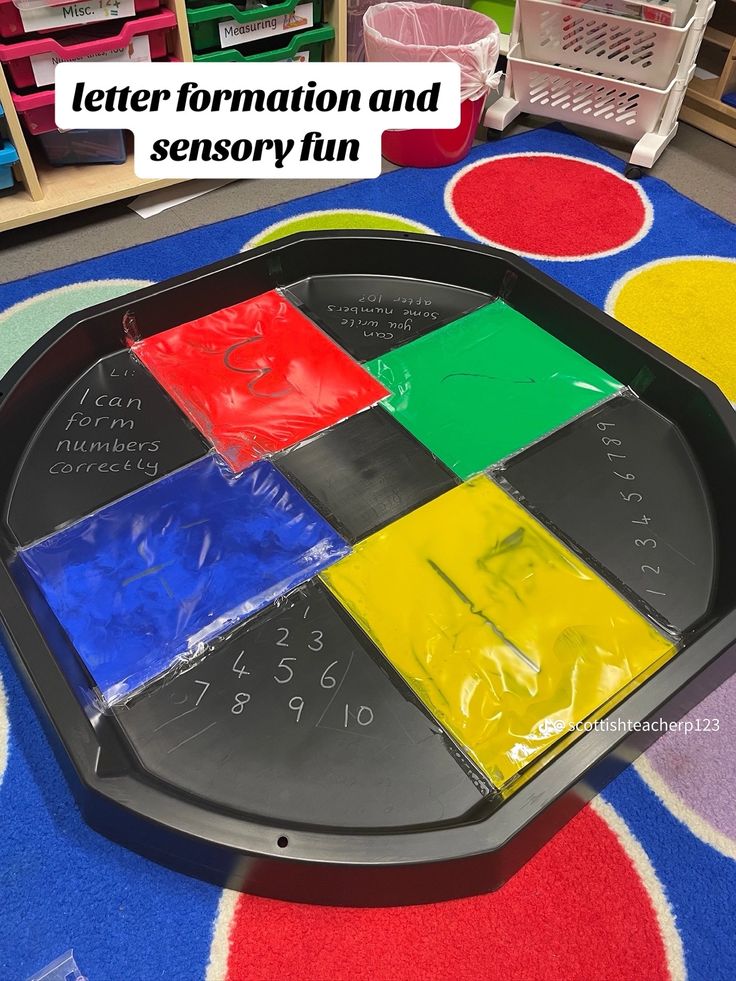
[636, 50]
[586, 99]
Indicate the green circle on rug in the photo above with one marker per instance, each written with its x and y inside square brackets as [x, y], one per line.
[25, 322]
[337, 220]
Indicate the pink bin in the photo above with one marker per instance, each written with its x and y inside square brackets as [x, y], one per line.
[14, 23]
[22, 57]
[432, 32]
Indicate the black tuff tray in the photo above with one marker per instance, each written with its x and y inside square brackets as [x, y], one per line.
[328, 812]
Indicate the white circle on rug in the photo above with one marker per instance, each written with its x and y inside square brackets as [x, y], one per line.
[337, 219]
[28, 320]
[549, 206]
[221, 935]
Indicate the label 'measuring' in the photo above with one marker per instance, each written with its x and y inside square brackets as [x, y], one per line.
[231, 32]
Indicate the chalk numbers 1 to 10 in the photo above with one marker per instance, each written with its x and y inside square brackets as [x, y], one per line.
[296, 662]
[354, 716]
[643, 540]
[330, 679]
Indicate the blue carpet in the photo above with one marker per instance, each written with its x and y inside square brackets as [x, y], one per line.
[127, 919]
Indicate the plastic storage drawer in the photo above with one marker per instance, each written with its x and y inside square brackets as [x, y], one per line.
[8, 156]
[30, 63]
[635, 50]
[74, 146]
[15, 23]
[306, 46]
[225, 25]
[84, 146]
[36, 110]
[585, 98]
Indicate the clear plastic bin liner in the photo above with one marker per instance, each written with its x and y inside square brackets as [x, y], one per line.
[257, 377]
[508, 638]
[432, 32]
[159, 573]
[356, 13]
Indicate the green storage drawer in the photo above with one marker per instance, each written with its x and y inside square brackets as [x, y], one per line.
[306, 46]
[223, 25]
[502, 11]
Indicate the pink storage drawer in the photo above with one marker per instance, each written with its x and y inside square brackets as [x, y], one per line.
[36, 110]
[30, 63]
[62, 17]
[63, 147]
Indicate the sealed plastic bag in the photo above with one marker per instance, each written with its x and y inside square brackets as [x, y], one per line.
[504, 634]
[145, 583]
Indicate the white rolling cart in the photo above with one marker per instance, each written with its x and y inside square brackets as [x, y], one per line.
[623, 76]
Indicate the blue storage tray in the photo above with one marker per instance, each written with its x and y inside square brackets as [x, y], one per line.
[8, 156]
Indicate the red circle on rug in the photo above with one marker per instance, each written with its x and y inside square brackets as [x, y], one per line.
[577, 911]
[548, 206]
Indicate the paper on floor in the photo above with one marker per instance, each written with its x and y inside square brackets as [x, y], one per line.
[154, 202]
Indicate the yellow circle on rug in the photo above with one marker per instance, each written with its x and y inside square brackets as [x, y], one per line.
[337, 219]
[687, 306]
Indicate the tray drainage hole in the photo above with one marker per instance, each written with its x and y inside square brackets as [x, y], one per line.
[282, 842]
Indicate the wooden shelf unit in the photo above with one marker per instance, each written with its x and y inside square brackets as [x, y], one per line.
[704, 106]
[48, 192]
[63, 190]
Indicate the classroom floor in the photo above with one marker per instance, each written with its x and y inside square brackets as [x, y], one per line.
[695, 164]
[659, 844]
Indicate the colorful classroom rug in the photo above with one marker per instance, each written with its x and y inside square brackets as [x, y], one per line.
[642, 884]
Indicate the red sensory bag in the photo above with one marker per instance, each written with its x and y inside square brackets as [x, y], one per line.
[257, 377]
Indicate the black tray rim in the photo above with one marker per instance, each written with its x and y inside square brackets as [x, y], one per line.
[108, 795]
